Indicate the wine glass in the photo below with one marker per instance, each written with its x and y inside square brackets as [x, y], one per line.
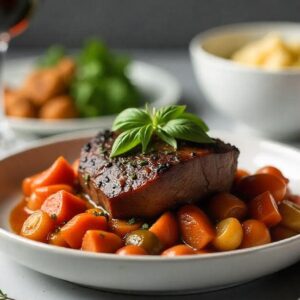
[14, 19]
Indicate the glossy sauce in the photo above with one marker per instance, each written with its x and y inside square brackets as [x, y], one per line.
[18, 215]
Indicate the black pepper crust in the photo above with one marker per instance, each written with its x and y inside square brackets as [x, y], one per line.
[114, 176]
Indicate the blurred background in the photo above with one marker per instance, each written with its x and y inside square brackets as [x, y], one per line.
[143, 24]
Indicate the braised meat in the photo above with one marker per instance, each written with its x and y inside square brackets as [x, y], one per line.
[145, 185]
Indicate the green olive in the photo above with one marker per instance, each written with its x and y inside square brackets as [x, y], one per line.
[290, 213]
[145, 239]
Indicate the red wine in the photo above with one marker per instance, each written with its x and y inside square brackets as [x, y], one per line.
[14, 15]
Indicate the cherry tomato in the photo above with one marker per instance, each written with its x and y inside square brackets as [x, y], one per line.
[290, 213]
[179, 250]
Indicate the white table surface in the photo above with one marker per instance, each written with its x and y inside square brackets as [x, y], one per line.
[21, 283]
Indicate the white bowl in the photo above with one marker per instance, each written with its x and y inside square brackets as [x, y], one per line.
[144, 274]
[156, 84]
[266, 101]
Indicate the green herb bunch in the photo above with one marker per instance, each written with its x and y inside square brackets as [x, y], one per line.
[169, 123]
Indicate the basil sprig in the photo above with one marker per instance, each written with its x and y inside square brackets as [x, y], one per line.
[169, 123]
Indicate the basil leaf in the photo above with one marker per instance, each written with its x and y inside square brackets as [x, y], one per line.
[167, 113]
[145, 135]
[166, 138]
[195, 120]
[131, 118]
[184, 129]
[126, 141]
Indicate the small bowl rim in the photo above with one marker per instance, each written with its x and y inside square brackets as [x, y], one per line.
[196, 47]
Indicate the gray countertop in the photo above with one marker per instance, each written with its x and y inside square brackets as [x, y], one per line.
[21, 283]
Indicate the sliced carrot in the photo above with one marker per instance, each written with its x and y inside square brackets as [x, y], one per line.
[123, 227]
[101, 241]
[38, 226]
[255, 233]
[264, 208]
[63, 206]
[40, 194]
[280, 232]
[251, 186]
[27, 183]
[196, 229]
[273, 171]
[56, 239]
[179, 250]
[132, 250]
[225, 205]
[239, 174]
[75, 229]
[61, 172]
[166, 229]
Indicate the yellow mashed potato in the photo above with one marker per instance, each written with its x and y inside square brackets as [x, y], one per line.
[270, 53]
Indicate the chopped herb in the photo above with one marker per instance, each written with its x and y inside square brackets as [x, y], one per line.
[133, 176]
[145, 226]
[4, 296]
[131, 221]
[144, 163]
[86, 178]
[53, 216]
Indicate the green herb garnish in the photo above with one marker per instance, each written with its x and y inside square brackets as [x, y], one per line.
[145, 226]
[4, 296]
[131, 221]
[53, 216]
[169, 123]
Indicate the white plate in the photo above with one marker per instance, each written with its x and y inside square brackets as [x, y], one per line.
[149, 274]
[156, 84]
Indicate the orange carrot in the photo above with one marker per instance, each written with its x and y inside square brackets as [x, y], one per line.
[123, 227]
[38, 226]
[40, 194]
[61, 172]
[131, 250]
[75, 166]
[166, 229]
[280, 232]
[63, 206]
[56, 239]
[26, 184]
[179, 250]
[264, 208]
[225, 205]
[240, 173]
[75, 229]
[101, 241]
[255, 233]
[196, 229]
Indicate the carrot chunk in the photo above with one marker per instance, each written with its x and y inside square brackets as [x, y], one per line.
[123, 227]
[166, 229]
[61, 172]
[38, 226]
[101, 241]
[40, 194]
[255, 233]
[75, 166]
[179, 250]
[62, 206]
[131, 250]
[264, 208]
[225, 205]
[56, 239]
[75, 229]
[196, 229]
[27, 183]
